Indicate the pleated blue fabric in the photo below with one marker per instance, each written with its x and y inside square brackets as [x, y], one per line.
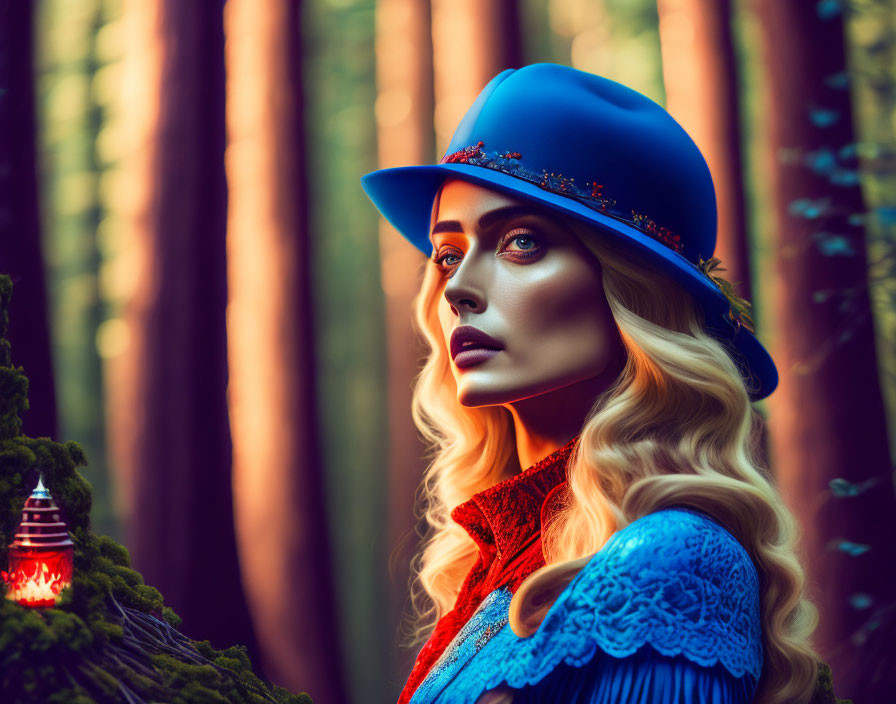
[644, 678]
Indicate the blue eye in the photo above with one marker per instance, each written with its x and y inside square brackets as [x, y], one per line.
[446, 260]
[522, 243]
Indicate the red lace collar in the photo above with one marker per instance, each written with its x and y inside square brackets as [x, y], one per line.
[505, 522]
[500, 518]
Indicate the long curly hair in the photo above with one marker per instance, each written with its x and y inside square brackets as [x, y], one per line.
[676, 427]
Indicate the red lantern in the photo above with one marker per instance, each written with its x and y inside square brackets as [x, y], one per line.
[41, 556]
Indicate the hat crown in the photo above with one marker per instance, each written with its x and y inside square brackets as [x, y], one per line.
[579, 129]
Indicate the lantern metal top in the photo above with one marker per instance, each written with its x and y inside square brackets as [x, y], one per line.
[40, 491]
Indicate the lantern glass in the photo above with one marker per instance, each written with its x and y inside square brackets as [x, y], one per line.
[37, 577]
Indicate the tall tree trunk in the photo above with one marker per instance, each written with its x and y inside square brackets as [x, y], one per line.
[20, 235]
[169, 412]
[281, 514]
[404, 137]
[490, 35]
[701, 94]
[827, 417]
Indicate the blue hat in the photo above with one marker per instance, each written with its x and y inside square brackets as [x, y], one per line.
[592, 149]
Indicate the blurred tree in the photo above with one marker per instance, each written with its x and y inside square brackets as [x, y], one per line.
[350, 337]
[20, 235]
[492, 41]
[70, 117]
[701, 83]
[617, 39]
[404, 110]
[281, 512]
[168, 412]
[871, 28]
[829, 436]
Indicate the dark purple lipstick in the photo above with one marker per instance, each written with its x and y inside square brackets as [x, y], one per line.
[470, 346]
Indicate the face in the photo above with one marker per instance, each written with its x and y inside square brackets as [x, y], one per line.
[515, 273]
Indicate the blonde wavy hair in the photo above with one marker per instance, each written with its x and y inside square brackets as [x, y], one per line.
[677, 427]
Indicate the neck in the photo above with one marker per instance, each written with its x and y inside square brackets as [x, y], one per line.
[546, 422]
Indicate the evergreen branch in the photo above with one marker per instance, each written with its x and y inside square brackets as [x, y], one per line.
[740, 307]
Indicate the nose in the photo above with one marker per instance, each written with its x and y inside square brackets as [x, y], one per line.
[465, 290]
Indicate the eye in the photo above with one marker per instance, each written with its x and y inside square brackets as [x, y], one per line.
[446, 258]
[521, 244]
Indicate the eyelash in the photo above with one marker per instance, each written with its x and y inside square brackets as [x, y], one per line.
[506, 239]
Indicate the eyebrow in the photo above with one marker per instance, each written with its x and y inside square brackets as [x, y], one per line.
[487, 220]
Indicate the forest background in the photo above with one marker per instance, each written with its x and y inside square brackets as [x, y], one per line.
[205, 300]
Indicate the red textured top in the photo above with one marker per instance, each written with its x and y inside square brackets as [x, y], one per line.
[505, 522]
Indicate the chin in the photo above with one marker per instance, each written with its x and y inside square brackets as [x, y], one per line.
[473, 395]
[476, 398]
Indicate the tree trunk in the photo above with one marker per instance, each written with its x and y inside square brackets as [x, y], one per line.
[701, 94]
[20, 236]
[490, 35]
[827, 417]
[168, 390]
[404, 137]
[282, 524]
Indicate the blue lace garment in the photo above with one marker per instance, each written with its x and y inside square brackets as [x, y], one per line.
[666, 613]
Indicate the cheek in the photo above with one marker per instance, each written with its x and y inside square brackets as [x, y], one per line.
[564, 313]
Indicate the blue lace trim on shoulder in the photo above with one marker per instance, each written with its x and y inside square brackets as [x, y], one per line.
[674, 580]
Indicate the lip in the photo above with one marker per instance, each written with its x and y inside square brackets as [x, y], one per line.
[471, 346]
[473, 356]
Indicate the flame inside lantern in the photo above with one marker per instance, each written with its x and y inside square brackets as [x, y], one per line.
[41, 556]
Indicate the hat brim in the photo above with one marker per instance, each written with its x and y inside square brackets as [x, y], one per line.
[404, 195]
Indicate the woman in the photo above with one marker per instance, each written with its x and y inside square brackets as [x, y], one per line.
[602, 529]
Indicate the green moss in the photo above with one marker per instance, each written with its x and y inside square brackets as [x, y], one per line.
[824, 687]
[111, 550]
[108, 628]
[171, 617]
